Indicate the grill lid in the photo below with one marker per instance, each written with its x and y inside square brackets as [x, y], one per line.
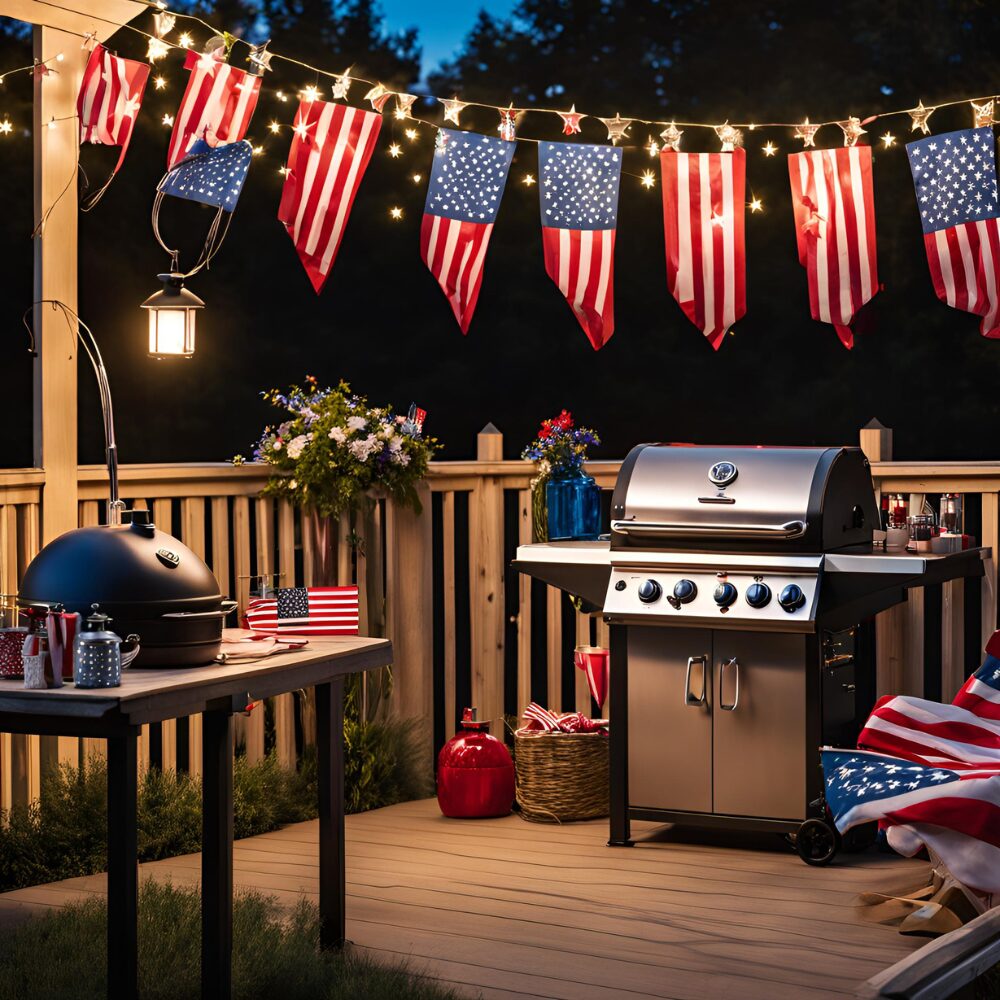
[743, 498]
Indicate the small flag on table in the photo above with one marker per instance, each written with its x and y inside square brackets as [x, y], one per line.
[955, 178]
[305, 611]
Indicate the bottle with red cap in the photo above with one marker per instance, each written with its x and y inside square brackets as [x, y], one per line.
[475, 777]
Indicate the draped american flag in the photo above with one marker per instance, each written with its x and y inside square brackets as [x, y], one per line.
[328, 157]
[463, 195]
[955, 178]
[109, 99]
[305, 611]
[835, 231]
[931, 772]
[578, 191]
[217, 106]
[703, 195]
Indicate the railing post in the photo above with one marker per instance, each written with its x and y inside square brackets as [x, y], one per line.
[486, 574]
[876, 441]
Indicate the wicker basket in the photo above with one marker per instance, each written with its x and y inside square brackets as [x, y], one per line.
[561, 776]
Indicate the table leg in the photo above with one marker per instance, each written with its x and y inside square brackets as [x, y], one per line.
[933, 597]
[217, 855]
[621, 827]
[330, 768]
[123, 869]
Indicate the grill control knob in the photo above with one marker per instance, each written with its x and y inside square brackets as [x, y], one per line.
[649, 591]
[685, 591]
[792, 598]
[725, 594]
[758, 595]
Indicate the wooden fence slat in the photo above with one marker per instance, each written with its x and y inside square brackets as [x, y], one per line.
[524, 535]
[220, 543]
[448, 612]
[284, 704]
[952, 638]
[28, 541]
[193, 536]
[345, 571]
[553, 648]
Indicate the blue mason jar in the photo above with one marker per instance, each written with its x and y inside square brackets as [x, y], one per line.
[574, 505]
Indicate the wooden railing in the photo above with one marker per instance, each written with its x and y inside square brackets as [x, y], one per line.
[466, 629]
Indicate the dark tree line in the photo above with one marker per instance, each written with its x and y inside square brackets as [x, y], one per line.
[382, 322]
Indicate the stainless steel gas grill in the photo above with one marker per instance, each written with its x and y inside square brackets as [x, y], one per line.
[740, 585]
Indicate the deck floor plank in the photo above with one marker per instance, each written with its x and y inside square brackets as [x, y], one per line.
[509, 909]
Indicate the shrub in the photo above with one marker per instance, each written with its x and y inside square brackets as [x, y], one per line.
[62, 955]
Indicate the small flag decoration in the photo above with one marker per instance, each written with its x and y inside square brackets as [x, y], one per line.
[955, 178]
[211, 176]
[703, 215]
[305, 611]
[217, 106]
[578, 194]
[466, 185]
[330, 151]
[108, 103]
[835, 231]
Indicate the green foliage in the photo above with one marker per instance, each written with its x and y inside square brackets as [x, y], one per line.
[62, 956]
[380, 766]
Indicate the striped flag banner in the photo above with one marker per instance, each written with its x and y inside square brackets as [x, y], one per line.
[305, 611]
[835, 231]
[544, 720]
[327, 160]
[108, 104]
[466, 185]
[703, 209]
[578, 192]
[217, 106]
[955, 178]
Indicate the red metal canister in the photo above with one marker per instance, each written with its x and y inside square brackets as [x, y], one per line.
[475, 776]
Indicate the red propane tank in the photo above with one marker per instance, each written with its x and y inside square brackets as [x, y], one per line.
[475, 777]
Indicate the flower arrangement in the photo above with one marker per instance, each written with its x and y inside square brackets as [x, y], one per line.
[333, 447]
[560, 449]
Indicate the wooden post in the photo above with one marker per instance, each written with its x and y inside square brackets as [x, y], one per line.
[284, 704]
[55, 245]
[876, 441]
[486, 575]
[193, 536]
[409, 617]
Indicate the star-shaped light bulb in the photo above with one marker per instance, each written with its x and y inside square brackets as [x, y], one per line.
[301, 129]
[852, 130]
[378, 97]
[730, 136]
[395, 213]
[395, 150]
[404, 104]
[528, 179]
[617, 128]
[5, 127]
[982, 114]
[257, 150]
[888, 140]
[411, 134]
[570, 120]
[756, 205]
[310, 94]
[807, 133]
[185, 41]
[648, 179]
[653, 147]
[156, 49]
[274, 127]
[769, 148]
[671, 137]
[168, 120]
[341, 85]
[159, 82]
[452, 109]
[918, 118]
[283, 171]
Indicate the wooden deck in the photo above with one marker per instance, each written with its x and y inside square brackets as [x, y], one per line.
[505, 908]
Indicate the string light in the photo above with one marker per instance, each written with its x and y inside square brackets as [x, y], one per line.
[50, 124]
[400, 114]
[281, 95]
[157, 49]
[648, 179]
[274, 127]
[769, 149]
[527, 180]
[59, 57]
[5, 127]
[411, 134]
[395, 213]
[283, 171]
[888, 139]
[257, 150]
[395, 150]
[168, 120]
[417, 178]
[756, 205]
[310, 94]
[653, 147]
[185, 41]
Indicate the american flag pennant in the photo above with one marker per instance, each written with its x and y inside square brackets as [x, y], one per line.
[330, 151]
[217, 106]
[466, 185]
[955, 177]
[305, 611]
[578, 193]
[835, 231]
[703, 209]
[108, 103]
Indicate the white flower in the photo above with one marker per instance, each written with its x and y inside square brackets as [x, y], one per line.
[400, 458]
[356, 423]
[395, 444]
[297, 445]
[338, 434]
[388, 432]
[362, 448]
[277, 445]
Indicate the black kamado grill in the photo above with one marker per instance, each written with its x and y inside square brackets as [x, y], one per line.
[740, 584]
[145, 580]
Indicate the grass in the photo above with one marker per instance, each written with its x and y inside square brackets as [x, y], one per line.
[62, 956]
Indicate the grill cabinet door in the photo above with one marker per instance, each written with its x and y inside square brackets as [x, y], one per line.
[669, 739]
[759, 745]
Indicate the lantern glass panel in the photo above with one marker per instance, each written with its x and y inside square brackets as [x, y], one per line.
[171, 331]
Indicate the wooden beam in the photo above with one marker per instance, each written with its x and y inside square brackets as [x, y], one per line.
[103, 17]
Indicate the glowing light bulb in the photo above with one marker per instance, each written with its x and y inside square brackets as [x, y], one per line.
[888, 139]
[648, 179]
[5, 127]
[310, 94]
[59, 57]
[400, 114]
[51, 123]
[769, 149]
[184, 41]
[395, 150]
[395, 213]
[411, 134]
[283, 171]
[528, 179]
[168, 120]
[653, 148]
[756, 205]
[157, 49]
[417, 178]
[274, 127]
[159, 82]
[257, 150]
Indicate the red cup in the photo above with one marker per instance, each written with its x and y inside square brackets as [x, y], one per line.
[11, 658]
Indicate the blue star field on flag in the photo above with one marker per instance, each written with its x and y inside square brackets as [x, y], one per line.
[578, 185]
[210, 176]
[468, 176]
[955, 177]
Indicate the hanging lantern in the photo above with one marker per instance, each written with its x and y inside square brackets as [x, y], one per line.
[172, 318]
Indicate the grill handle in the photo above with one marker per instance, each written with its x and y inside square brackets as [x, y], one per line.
[734, 663]
[791, 529]
[689, 699]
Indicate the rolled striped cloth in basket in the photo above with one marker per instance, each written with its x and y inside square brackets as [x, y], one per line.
[542, 720]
